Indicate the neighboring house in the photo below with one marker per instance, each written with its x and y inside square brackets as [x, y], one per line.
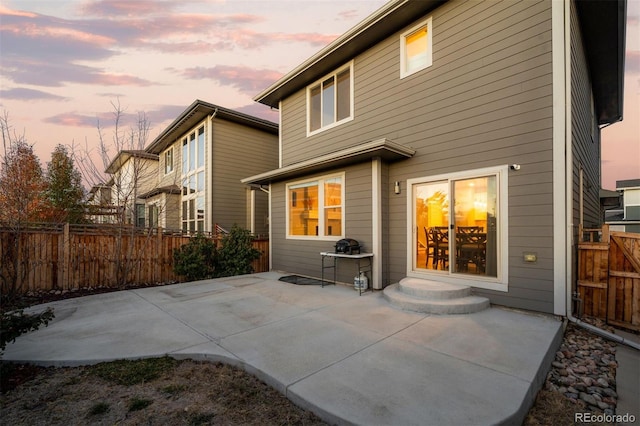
[203, 155]
[449, 117]
[100, 207]
[626, 217]
[133, 173]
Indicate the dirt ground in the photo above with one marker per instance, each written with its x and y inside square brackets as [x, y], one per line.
[186, 393]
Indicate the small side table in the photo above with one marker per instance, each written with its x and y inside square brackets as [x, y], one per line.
[335, 256]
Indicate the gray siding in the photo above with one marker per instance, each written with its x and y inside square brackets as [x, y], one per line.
[486, 101]
[237, 152]
[585, 143]
[585, 134]
[303, 256]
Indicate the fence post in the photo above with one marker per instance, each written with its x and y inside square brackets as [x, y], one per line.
[63, 275]
[159, 257]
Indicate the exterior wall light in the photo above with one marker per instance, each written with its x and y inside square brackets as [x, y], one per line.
[396, 187]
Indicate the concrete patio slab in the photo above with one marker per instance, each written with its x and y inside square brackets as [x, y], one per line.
[351, 359]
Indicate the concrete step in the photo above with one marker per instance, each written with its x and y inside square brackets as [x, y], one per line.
[432, 297]
[435, 290]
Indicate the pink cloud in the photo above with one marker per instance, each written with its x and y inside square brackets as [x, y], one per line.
[249, 39]
[24, 94]
[124, 7]
[5, 11]
[350, 14]
[72, 119]
[246, 80]
[119, 80]
[260, 111]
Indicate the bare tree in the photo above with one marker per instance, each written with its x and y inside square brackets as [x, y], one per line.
[122, 164]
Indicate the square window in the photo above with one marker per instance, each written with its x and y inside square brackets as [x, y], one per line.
[416, 49]
[314, 208]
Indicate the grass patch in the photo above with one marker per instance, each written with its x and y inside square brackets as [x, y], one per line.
[127, 373]
[137, 404]
[173, 390]
[99, 408]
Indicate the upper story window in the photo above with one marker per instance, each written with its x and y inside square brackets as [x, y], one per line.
[416, 49]
[168, 161]
[330, 100]
[193, 151]
[193, 181]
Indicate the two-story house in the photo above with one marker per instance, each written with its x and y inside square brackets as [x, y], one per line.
[626, 217]
[133, 173]
[202, 155]
[454, 140]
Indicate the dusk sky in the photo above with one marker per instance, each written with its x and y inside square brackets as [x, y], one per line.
[63, 62]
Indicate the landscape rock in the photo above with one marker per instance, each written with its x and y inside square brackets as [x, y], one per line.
[584, 369]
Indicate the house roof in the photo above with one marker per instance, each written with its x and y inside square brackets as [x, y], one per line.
[383, 148]
[124, 155]
[169, 189]
[603, 24]
[195, 113]
[627, 184]
[605, 49]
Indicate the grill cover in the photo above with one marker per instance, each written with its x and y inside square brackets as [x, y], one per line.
[348, 246]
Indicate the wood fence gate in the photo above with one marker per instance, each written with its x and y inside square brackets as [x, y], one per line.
[609, 276]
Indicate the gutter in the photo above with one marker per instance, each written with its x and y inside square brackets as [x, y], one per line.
[569, 198]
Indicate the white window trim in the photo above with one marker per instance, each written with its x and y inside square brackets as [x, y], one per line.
[321, 210]
[428, 23]
[173, 161]
[351, 103]
[499, 283]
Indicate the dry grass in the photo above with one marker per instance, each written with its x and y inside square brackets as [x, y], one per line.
[551, 408]
[159, 391]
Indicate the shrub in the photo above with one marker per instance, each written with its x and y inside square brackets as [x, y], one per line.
[15, 323]
[195, 260]
[236, 253]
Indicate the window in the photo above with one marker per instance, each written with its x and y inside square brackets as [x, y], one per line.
[315, 208]
[330, 100]
[168, 161]
[153, 215]
[415, 49]
[140, 219]
[193, 181]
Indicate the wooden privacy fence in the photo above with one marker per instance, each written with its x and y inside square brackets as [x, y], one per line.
[609, 276]
[67, 257]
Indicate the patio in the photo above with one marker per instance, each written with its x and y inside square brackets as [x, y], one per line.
[349, 359]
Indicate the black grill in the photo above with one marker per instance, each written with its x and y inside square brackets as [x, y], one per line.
[348, 246]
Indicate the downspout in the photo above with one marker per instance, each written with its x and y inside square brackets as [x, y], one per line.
[569, 193]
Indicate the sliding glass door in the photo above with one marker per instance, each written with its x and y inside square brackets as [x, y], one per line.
[455, 224]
